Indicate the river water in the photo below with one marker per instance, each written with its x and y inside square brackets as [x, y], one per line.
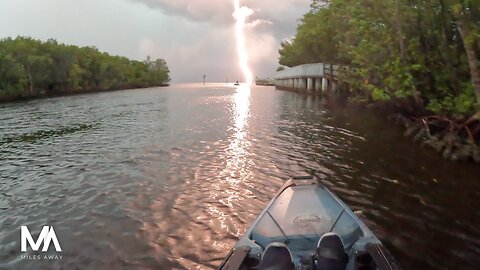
[170, 177]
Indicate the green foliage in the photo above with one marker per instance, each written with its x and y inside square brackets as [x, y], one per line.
[395, 49]
[31, 68]
[378, 94]
[461, 104]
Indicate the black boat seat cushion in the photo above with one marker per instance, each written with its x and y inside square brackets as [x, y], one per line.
[331, 253]
[276, 257]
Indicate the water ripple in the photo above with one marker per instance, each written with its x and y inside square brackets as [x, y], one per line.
[171, 178]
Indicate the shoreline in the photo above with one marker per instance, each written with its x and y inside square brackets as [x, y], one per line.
[65, 94]
[447, 142]
[35, 69]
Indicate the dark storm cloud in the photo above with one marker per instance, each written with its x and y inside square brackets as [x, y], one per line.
[272, 22]
[196, 37]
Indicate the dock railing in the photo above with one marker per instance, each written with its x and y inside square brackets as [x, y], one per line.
[312, 78]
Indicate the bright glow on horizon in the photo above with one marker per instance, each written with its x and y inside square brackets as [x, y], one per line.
[241, 14]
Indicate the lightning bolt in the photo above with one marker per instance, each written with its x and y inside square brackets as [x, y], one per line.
[241, 14]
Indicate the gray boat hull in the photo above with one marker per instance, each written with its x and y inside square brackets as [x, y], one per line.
[301, 212]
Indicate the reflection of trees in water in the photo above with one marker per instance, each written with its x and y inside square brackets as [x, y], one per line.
[407, 194]
[44, 134]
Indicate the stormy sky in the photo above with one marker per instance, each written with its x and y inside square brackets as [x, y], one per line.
[195, 37]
